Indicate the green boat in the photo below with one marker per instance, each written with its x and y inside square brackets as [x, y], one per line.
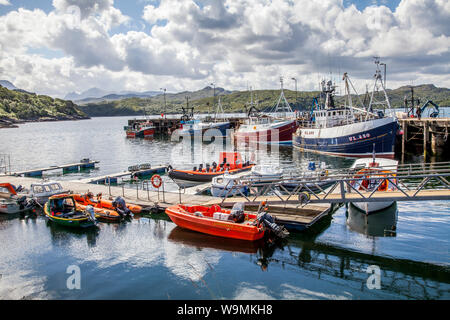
[62, 209]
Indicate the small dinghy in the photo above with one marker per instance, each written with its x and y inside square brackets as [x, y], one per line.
[370, 170]
[227, 186]
[266, 172]
[98, 202]
[106, 210]
[63, 210]
[214, 220]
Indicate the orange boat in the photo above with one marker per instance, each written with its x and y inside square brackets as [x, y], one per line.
[98, 202]
[103, 214]
[215, 221]
[229, 162]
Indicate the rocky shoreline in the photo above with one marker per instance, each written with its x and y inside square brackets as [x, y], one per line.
[13, 123]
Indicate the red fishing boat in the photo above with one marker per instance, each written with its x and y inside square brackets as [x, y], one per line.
[275, 127]
[215, 221]
[140, 130]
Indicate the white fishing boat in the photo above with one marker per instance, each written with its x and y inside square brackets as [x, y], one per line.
[368, 169]
[41, 191]
[227, 185]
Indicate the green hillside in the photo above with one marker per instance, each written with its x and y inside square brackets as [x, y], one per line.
[18, 106]
[236, 101]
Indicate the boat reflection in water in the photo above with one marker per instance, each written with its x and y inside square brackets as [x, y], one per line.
[380, 224]
[61, 235]
[200, 240]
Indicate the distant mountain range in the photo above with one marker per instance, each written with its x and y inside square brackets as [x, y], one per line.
[18, 104]
[97, 95]
[8, 85]
[237, 101]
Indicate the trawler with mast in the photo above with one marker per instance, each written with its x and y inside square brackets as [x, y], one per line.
[348, 130]
[276, 127]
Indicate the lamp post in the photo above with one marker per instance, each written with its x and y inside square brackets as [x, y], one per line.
[295, 90]
[164, 101]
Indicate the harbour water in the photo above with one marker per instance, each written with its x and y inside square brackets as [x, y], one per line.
[151, 258]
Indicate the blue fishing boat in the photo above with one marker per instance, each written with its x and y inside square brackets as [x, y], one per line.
[213, 127]
[348, 130]
[196, 126]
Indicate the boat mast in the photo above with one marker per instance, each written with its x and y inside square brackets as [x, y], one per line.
[347, 81]
[282, 98]
[219, 109]
[378, 78]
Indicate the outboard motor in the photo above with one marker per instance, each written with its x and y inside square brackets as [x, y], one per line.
[91, 214]
[268, 222]
[121, 207]
[22, 202]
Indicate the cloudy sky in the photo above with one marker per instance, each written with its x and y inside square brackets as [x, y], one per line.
[55, 47]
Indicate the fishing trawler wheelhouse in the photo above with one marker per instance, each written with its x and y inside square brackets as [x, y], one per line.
[348, 131]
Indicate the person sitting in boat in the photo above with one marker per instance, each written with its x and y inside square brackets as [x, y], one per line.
[57, 207]
[90, 197]
[214, 166]
[237, 213]
[120, 206]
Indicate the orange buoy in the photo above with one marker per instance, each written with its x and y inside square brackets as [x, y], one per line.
[156, 181]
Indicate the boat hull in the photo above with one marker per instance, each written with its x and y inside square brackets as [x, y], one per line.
[212, 130]
[7, 207]
[213, 227]
[353, 140]
[221, 192]
[73, 223]
[372, 207]
[188, 178]
[280, 134]
[145, 133]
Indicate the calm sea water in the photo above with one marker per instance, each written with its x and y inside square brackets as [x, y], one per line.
[151, 258]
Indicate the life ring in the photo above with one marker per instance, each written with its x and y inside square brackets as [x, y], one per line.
[156, 181]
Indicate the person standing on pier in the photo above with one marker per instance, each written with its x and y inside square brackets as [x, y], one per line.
[419, 112]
